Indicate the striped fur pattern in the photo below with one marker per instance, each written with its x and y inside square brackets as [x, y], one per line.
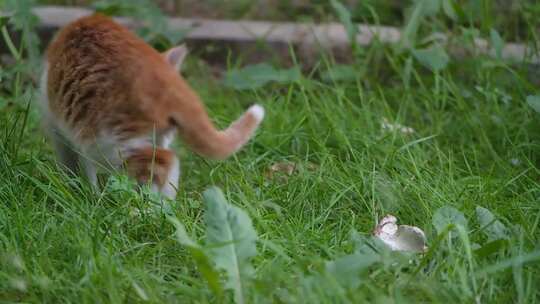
[111, 101]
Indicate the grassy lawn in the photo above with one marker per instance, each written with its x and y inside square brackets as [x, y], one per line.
[476, 143]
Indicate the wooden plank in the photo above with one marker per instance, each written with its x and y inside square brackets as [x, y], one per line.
[226, 30]
[308, 37]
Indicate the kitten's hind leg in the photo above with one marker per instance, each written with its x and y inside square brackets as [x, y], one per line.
[72, 161]
[68, 157]
[90, 172]
[157, 166]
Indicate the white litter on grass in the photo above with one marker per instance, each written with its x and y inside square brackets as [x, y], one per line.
[18, 284]
[402, 237]
[386, 125]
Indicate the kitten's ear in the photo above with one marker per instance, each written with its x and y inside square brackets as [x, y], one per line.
[176, 55]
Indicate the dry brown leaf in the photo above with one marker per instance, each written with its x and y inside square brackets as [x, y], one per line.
[283, 167]
[286, 169]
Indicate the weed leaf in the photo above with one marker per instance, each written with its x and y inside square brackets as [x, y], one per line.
[231, 238]
[347, 270]
[112, 8]
[421, 9]
[492, 228]
[258, 75]
[434, 57]
[497, 43]
[430, 7]
[201, 258]
[411, 28]
[449, 10]
[447, 215]
[155, 29]
[23, 19]
[345, 18]
[4, 18]
[534, 102]
[340, 72]
[408, 72]
[367, 245]
[490, 248]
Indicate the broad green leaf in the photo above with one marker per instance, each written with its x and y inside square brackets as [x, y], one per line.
[447, 215]
[449, 10]
[347, 270]
[135, 8]
[258, 75]
[340, 72]
[430, 7]
[408, 72]
[467, 245]
[367, 245]
[411, 28]
[434, 57]
[10, 45]
[345, 18]
[199, 255]
[23, 19]
[386, 190]
[497, 43]
[420, 10]
[510, 262]
[469, 35]
[231, 238]
[181, 234]
[534, 102]
[4, 18]
[120, 184]
[139, 290]
[113, 8]
[155, 29]
[490, 248]
[175, 37]
[492, 228]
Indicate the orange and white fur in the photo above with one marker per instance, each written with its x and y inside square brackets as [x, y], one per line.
[110, 101]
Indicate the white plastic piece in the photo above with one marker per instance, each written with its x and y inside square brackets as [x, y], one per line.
[391, 127]
[400, 237]
[257, 111]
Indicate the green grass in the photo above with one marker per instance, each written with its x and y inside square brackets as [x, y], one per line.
[476, 143]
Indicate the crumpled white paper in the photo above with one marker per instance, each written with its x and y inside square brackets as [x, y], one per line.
[400, 237]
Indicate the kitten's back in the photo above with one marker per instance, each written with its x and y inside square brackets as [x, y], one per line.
[100, 74]
[104, 79]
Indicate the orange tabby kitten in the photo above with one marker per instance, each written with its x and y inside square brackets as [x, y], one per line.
[110, 100]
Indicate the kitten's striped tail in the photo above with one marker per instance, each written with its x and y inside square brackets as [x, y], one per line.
[201, 135]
